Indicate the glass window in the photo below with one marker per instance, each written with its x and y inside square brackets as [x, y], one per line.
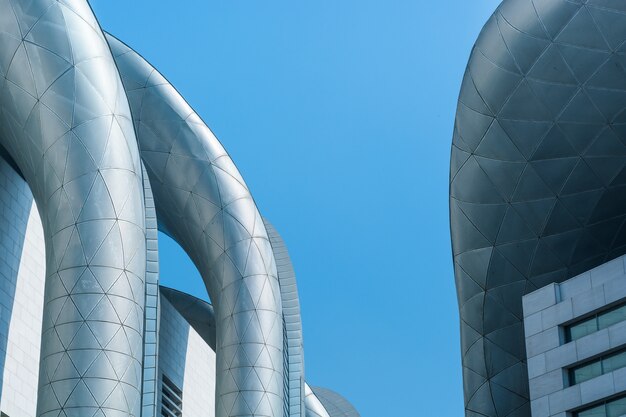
[597, 322]
[596, 367]
[583, 329]
[616, 408]
[610, 408]
[611, 317]
[585, 372]
[171, 398]
[598, 411]
[613, 362]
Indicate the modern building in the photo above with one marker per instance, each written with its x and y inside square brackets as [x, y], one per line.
[576, 344]
[537, 178]
[98, 152]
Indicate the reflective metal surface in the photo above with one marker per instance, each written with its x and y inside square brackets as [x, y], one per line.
[65, 121]
[198, 313]
[313, 406]
[149, 405]
[335, 404]
[204, 204]
[538, 176]
[294, 367]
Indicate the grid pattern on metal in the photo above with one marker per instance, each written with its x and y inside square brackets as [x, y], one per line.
[538, 176]
[65, 121]
[294, 349]
[198, 313]
[204, 204]
[151, 313]
[335, 404]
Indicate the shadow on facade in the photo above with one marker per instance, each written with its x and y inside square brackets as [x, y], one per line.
[16, 202]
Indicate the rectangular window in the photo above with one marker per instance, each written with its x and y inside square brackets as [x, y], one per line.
[611, 408]
[171, 398]
[598, 321]
[598, 366]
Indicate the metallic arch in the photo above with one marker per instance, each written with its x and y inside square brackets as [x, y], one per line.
[317, 402]
[204, 204]
[538, 176]
[201, 317]
[293, 322]
[65, 121]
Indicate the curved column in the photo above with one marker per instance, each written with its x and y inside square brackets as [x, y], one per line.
[538, 177]
[294, 367]
[65, 120]
[204, 204]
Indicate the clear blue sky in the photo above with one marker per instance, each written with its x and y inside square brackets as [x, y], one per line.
[339, 115]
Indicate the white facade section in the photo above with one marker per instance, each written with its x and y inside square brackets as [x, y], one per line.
[22, 275]
[187, 360]
[547, 312]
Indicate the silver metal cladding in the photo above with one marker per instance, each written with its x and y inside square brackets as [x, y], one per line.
[335, 404]
[293, 323]
[537, 177]
[205, 205]
[313, 405]
[65, 121]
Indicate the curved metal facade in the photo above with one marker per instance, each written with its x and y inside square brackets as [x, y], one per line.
[65, 121]
[294, 366]
[198, 313]
[335, 404]
[204, 204]
[314, 407]
[538, 176]
[112, 152]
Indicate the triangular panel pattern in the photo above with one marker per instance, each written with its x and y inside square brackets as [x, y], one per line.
[65, 121]
[202, 201]
[538, 170]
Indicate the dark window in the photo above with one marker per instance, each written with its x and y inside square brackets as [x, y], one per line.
[596, 367]
[610, 408]
[171, 398]
[598, 321]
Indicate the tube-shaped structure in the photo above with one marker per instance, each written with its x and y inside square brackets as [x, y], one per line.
[205, 205]
[65, 121]
[538, 177]
[294, 367]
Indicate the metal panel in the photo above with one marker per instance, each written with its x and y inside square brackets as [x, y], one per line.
[205, 205]
[65, 120]
[293, 322]
[335, 404]
[186, 360]
[313, 406]
[22, 276]
[538, 176]
[198, 313]
[151, 316]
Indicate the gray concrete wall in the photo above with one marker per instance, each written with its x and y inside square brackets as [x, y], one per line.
[546, 311]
